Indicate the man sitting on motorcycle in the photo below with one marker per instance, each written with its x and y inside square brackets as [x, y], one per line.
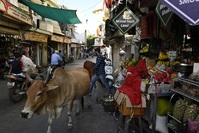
[16, 65]
[28, 65]
[56, 59]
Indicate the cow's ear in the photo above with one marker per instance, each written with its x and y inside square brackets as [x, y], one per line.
[51, 87]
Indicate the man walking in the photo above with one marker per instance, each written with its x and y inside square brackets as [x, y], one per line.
[99, 68]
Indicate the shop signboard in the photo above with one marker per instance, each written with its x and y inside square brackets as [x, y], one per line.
[57, 38]
[172, 55]
[3, 5]
[16, 13]
[125, 20]
[186, 9]
[164, 13]
[35, 36]
[45, 26]
[67, 40]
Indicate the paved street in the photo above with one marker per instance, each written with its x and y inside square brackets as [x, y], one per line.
[91, 120]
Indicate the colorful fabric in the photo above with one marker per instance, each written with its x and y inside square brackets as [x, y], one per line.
[132, 83]
[131, 88]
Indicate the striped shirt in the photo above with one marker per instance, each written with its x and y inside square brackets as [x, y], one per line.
[100, 65]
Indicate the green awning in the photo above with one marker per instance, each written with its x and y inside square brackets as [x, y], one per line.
[61, 15]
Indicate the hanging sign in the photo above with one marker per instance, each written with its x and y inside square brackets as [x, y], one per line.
[163, 12]
[3, 5]
[186, 9]
[172, 55]
[125, 20]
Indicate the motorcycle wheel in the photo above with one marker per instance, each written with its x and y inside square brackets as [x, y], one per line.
[14, 95]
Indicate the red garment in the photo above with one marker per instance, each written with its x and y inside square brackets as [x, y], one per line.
[132, 83]
[131, 87]
[141, 67]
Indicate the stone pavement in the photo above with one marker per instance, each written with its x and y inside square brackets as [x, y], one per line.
[94, 119]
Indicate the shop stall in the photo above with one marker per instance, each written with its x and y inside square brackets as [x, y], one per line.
[168, 91]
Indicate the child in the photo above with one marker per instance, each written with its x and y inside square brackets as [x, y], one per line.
[16, 65]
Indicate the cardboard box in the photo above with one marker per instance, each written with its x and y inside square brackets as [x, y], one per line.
[150, 62]
[128, 111]
[125, 106]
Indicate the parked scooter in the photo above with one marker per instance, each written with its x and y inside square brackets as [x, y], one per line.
[17, 85]
[109, 71]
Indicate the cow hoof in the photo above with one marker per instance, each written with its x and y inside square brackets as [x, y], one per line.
[77, 113]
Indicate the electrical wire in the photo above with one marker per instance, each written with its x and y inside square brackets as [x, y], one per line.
[90, 7]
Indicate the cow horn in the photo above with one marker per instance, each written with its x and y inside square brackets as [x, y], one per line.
[49, 72]
[47, 78]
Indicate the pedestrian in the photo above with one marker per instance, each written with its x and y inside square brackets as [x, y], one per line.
[99, 69]
[16, 65]
[55, 58]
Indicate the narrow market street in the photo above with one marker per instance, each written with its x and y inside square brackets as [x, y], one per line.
[91, 120]
[151, 63]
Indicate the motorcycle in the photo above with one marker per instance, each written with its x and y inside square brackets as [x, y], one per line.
[17, 85]
[71, 58]
[109, 71]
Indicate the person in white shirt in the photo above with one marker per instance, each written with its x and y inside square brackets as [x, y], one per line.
[28, 64]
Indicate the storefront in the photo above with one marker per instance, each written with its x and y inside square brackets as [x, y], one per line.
[13, 22]
[75, 48]
[169, 45]
[37, 44]
[66, 48]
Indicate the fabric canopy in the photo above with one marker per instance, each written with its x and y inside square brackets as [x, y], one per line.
[61, 15]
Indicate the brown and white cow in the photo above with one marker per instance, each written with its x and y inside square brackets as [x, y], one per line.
[64, 87]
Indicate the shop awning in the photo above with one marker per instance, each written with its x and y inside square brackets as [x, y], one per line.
[61, 15]
[187, 10]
